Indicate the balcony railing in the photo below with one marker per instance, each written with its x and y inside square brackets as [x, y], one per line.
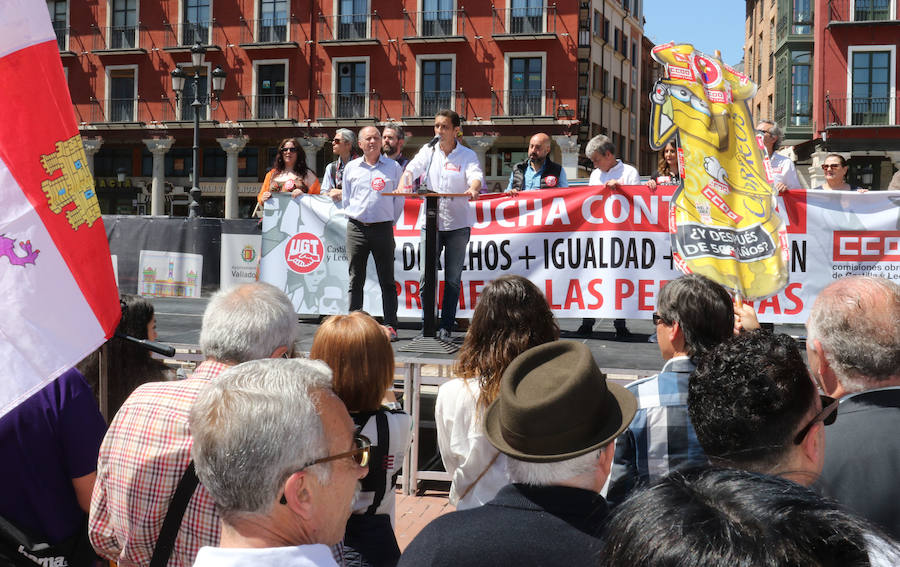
[434, 24]
[62, 35]
[347, 105]
[428, 103]
[117, 38]
[269, 31]
[525, 21]
[524, 102]
[127, 111]
[348, 27]
[268, 107]
[874, 111]
[859, 10]
[187, 34]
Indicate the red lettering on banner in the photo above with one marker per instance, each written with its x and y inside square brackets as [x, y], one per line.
[866, 245]
[720, 204]
[790, 293]
[644, 294]
[624, 289]
[475, 291]
[412, 295]
[594, 290]
[769, 303]
[573, 295]
[548, 293]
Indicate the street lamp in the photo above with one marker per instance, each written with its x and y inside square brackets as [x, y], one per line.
[218, 85]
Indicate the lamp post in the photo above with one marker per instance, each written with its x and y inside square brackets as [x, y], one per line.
[218, 85]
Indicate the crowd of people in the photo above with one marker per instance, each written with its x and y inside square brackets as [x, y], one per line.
[738, 452]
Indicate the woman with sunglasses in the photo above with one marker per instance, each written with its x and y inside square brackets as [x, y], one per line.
[835, 169]
[289, 173]
[358, 351]
[511, 316]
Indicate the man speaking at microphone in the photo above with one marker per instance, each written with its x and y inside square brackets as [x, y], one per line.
[449, 167]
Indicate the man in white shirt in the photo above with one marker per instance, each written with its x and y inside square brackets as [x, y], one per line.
[370, 222]
[284, 492]
[612, 172]
[448, 167]
[784, 174]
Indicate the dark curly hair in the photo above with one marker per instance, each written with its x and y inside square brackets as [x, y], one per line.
[300, 168]
[511, 316]
[748, 397]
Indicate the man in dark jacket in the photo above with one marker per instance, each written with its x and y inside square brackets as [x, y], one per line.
[538, 171]
[555, 419]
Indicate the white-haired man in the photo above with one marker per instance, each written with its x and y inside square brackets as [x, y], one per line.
[285, 492]
[853, 343]
[555, 419]
[147, 449]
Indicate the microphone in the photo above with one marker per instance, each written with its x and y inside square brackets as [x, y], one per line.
[158, 348]
[434, 141]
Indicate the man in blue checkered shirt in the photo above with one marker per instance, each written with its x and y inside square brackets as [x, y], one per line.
[693, 314]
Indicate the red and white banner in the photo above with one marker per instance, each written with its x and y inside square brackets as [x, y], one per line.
[594, 252]
[58, 293]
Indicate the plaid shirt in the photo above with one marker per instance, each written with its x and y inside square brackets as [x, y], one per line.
[660, 437]
[143, 456]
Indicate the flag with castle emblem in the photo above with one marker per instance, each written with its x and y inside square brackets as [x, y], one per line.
[58, 296]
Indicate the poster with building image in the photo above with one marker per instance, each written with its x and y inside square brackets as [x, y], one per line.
[169, 274]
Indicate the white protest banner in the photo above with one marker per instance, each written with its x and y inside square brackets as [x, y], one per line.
[594, 252]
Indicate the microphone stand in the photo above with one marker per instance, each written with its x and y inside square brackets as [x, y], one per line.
[159, 348]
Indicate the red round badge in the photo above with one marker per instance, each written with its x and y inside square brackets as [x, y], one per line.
[378, 184]
[551, 180]
[303, 253]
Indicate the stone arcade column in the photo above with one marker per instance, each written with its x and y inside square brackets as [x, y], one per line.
[480, 145]
[158, 147]
[91, 147]
[311, 147]
[568, 146]
[232, 147]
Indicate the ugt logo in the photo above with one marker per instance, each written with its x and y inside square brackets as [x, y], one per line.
[303, 253]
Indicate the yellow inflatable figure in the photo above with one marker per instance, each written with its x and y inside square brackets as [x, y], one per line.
[722, 217]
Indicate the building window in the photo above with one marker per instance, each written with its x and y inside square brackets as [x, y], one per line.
[58, 15]
[598, 24]
[123, 33]
[634, 58]
[596, 79]
[351, 89]
[248, 162]
[270, 91]
[605, 29]
[273, 21]
[108, 161]
[437, 18]
[121, 95]
[624, 45]
[871, 10]
[436, 86]
[195, 22]
[605, 87]
[802, 17]
[526, 80]
[871, 87]
[214, 162]
[616, 39]
[187, 96]
[801, 89]
[179, 162]
[772, 48]
[526, 16]
[352, 18]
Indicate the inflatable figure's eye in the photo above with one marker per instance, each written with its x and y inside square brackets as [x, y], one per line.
[681, 94]
[700, 105]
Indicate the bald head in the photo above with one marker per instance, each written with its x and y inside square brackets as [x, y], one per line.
[539, 148]
[855, 320]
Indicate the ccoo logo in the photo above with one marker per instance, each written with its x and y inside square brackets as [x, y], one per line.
[303, 253]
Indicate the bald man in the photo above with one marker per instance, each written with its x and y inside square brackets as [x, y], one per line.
[538, 171]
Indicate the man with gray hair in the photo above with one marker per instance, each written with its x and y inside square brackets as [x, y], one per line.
[146, 451]
[342, 146]
[853, 346]
[784, 174]
[283, 493]
[612, 172]
[555, 419]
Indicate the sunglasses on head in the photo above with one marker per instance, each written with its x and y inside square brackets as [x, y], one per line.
[290, 150]
[827, 416]
[360, 453]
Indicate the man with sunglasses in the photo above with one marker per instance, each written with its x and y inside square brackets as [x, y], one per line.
[853, 347]
[693, 314]
[284, 493]
[754, 406]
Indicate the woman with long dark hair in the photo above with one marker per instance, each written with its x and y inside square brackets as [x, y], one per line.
[667, 168]
[511, 316]
[289, 173]
[129, 365]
